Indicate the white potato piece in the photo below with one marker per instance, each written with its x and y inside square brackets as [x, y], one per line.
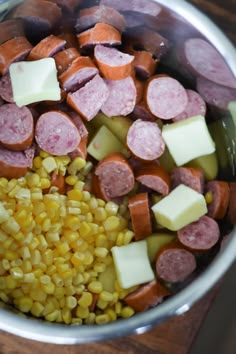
[208, 163]
[156, 241]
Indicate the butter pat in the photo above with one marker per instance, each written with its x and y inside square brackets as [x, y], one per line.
[132, 264]
[188, 139]
[179, 208]
[34, 81]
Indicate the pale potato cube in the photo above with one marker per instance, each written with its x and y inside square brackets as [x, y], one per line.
[108, 278]
[208, 163]
[188, 139]
[156, 241]
[179, 208]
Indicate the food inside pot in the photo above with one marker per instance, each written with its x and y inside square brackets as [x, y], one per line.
[115, 167]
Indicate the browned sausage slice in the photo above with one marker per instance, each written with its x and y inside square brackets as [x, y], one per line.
[81, 70]
[10, 29]
[115, 176]
[140, 216]
[47, 47]
[6, 88]
[146, 296]
[142, 112]
[144, 63]
[65, 58]
[166, 97]
[174, 263]
[92, 15]
[195, 106]
[189, 176]
[67, 5]
[88, 100]
[56, 133]
[144, 139]
[81, 149]
[17, 127]
[231, 214]
[154, 176]
[122, 97]
[15, 49]
[200, 235]
[219, 196]
[112, 63]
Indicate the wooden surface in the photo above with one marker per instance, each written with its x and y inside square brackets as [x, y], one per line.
[176, 335]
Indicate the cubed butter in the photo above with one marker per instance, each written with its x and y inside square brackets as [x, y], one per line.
[132, 264]
[34, 81]
[179, 208]
[188, 139]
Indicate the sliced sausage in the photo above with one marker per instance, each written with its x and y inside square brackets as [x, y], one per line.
[67, 5]
[95, 14]
[10, 29]
[142, 112]
[17, 127]
[97, 189]
[215, 95]
[140, 216]
[56, 134]
[200, 235]
[174, 263]
[155, 177]
[81, 149]
[146, 296]
[70, 38]
[231, 214]
[139, 85]
[6, 89]
[195, 106]
[101, 33]
[88, 100]
[165, 97]
[143, 6]
[189, 176]
[47, 47]
[115, 176]
[144, 140]
[112, 63]
[14, 164]
[58, 181]
[65, 58]
[81, 70]
[204, 60]
[220, 194]
[121, 99]
[15, 49]
[144, 64]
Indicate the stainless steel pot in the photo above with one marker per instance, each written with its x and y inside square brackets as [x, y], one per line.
[19, 324]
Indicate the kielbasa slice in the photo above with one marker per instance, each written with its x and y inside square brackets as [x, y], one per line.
[6, 88]
[56, 133]
[200, 235]
[65, 58]
[231, 213]
[104, 14]
[146, 296]
[15, 49]
[88, 100]
[47, 47]
[143, 6]
[115, 176]
[155, 177]
[81, 149]
[17, 127]
[142, 112]
[10, 29]
[81, 70]
[144, 140]
[140, 216]
[174, 263]
[195, 106]
[112, 63]
[220, 194]
[165, 97]
[189, 176]
[121, 99]
[144, 63]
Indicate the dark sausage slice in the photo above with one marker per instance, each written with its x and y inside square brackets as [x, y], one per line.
[155, 177]
[101, 33]
[88, 100]
[146, 296]
[97, 189]
[65, 58]
[139, 85]
[92, 15]
[144, 63]
[144, 139]
[204, 60]
[174, 263]
[112, 63]
[81, 149]
[140, 216]
[220, 194]
[47, 47]
[15, 49]
[10, 29]
[215, 95]
[143, 6]
[165, 97]
[231, 214]
[142, 112]
[81, 70]
[195, 106]
[189, 176]
[115, 176]
[17, 127]
[6, 88]
[121, 99]
[200, 235]
[67, 5]
[56, 133]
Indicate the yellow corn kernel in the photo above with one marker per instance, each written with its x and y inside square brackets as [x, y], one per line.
[127, 312]
[100, 252]
[17, 293]
[106, 296]
[100, 214]
[85, 229]
[71, 236]
[76, 165]
[111, 223]
[10, 185]
[38, 273]
[209, 197]
[10, 226]
[37, 162]
[76, 321]
[101, 304]
[3, 182]
[95, 287]
[25, 304]
[118, 308]
[14, 191]
[75, 194]
[48, 288]
[66, 315]
[45, 183]
[111, 208]
[29, 278]
[37, 309]
[11, 283]
[128, 236]
[49, 164]
[42, 242]
[16, 273]
[77, 258]
[71, 302]
[101, 241]
[32, 179]
[99, 267]
[111, 313]
[53, 316]
[79, 185]
[102, 319]
[52, 237]
[72, 222]
[88, 258]
[11, 255]
[24, 252]
[90, 319]
[71, 180]
[86, 299]
[120, 239]
[38, 295]
[82, 312]
[26, 265]
[63, 248]
[57, 280]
